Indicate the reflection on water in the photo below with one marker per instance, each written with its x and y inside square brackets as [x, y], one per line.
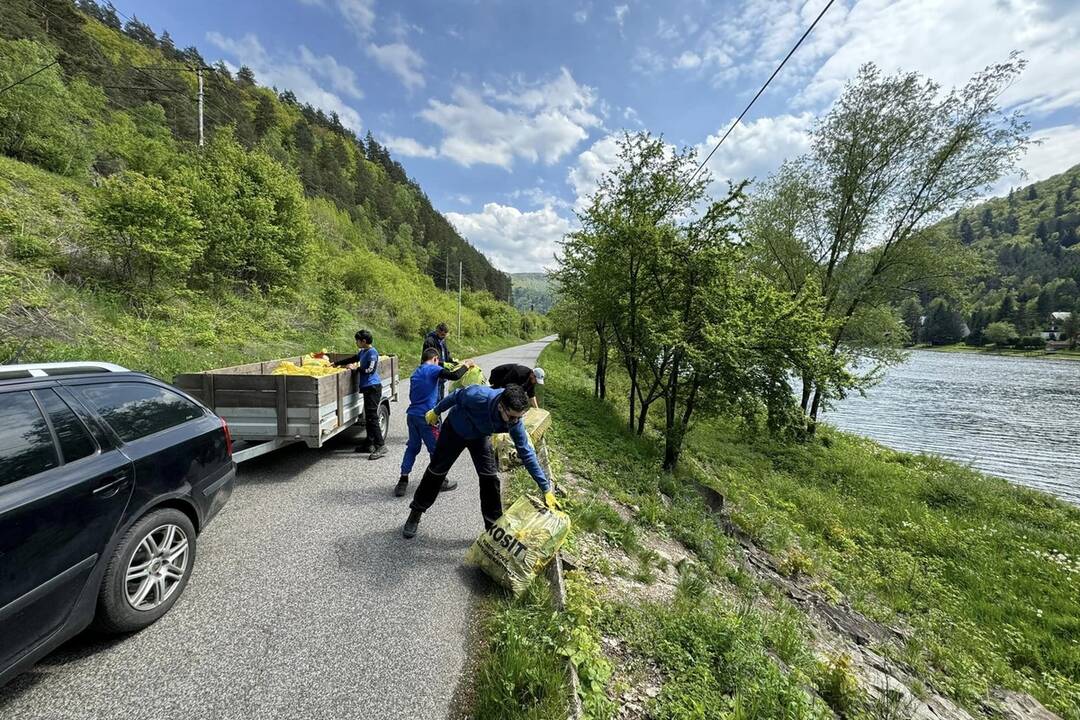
[1017, 418]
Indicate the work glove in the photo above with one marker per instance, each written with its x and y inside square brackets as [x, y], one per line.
[550, 501]
[432, 417]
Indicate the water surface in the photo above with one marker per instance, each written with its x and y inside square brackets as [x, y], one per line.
[1014, 417]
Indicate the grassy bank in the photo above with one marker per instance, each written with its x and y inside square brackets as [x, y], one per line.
[979, 576]
[1007, 351]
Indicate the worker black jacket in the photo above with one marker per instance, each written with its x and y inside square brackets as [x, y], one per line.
[513, 374]
[432, 340]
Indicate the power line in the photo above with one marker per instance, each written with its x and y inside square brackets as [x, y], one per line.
[22, 80]
[775, 72]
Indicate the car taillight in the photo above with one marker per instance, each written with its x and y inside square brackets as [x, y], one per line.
[228, 437]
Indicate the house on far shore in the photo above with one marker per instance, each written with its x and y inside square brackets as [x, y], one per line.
[1055, 330]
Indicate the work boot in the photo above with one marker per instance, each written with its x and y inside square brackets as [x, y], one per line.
[402, 483]
[448, 484]
[411, 525]
[377, 453]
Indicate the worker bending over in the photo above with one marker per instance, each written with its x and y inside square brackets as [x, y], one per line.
[477, 412]
[514, 374]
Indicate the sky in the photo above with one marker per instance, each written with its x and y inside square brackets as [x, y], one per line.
[506, 112]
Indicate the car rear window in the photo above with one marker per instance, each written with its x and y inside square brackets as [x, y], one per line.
[134, 410]
[26, 445]
[75, 440]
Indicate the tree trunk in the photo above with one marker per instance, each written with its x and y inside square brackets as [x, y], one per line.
[600, 382]
[642, 417]
[814, 407]
[807, 387]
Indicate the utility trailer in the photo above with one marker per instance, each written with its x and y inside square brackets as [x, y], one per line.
[266, 411]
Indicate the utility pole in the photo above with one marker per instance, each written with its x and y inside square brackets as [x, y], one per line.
[198, 72]
[459, 299]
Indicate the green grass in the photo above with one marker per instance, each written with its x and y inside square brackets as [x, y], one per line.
[522, 674]
[986, 573]
[1012, 352]
[53, 308]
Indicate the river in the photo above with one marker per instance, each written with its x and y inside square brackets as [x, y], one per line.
[1014, 417]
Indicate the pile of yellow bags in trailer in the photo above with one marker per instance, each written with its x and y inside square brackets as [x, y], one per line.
[311, 365]
[520, 543]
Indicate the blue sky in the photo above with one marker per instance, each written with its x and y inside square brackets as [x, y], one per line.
[506, 112]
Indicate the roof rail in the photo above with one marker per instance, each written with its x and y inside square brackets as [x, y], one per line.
[39, 370]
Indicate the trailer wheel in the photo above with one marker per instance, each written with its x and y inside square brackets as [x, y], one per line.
[384, 418]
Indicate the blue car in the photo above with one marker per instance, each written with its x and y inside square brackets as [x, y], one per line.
[106, 479]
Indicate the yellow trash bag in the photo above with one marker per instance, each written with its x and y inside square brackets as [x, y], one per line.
[520, 543]
[472, 376]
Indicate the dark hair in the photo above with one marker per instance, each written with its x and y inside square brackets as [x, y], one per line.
[514, 398]
[429, 353]
[441, 327]
[365, 335]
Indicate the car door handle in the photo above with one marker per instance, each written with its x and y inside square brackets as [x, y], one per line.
[111, 486]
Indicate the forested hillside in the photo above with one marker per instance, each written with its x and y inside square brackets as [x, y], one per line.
[117, 74]
[121, 238]
[532, 292]
[1029, 242]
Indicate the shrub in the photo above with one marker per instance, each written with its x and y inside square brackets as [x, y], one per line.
[146, 229]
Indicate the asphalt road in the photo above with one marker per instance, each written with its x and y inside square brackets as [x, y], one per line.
[305, 602]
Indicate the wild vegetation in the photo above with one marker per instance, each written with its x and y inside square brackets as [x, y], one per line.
[972, 577]
[121, 239]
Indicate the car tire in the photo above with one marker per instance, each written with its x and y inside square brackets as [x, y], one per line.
[384, 419]
[141, 565]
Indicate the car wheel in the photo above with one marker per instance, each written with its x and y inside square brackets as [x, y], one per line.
[384, 419]
[147, 573]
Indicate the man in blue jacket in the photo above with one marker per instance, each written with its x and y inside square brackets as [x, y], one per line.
[423, 391]
[477, 412]
[369, 385]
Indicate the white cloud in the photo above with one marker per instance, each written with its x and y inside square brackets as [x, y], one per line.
[753, 150]
[401, 60]
[540, 198]
[620, 14]
[951, 41]
[591, 166]
[408, 147]
[513, 240]
[534, 122]
[757, 148]
[582, 15]
[1058, 150]
[946, 40]
[359, 16]
[313, 3]
[666, 30]
[290, 73]
[647, 61]
[341, 78]
[631, 116]
[688, 61]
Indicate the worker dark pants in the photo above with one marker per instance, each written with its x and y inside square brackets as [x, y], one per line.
[372, 397]
[447, 450]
